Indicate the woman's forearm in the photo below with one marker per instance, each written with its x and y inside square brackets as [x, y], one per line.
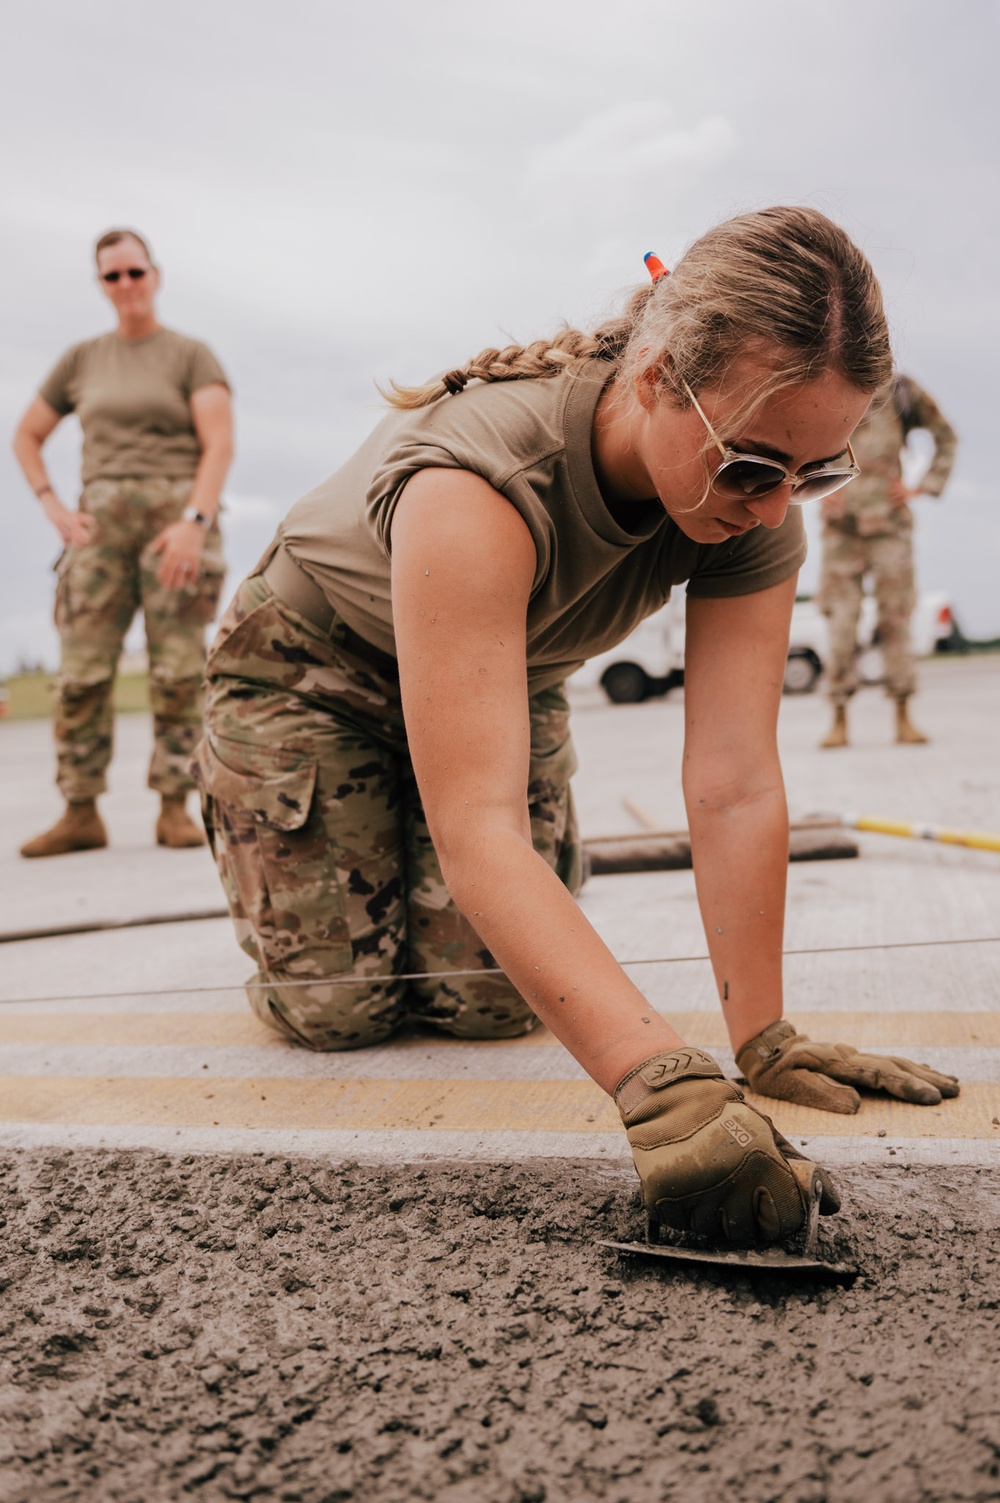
[28, 453]
[554, 956]
[210, 477]
[740, 853]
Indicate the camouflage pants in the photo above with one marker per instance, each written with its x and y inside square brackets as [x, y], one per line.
[99, 588]
[847, 558]
[314, 817]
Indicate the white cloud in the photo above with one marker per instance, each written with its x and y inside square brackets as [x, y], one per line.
[615, 154]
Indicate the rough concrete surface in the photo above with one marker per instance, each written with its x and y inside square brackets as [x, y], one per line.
[223, 1327]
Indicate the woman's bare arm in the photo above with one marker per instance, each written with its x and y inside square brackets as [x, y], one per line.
[735, 655]
[40, 420]
[212, 415]
[181, 543]
[462, 567]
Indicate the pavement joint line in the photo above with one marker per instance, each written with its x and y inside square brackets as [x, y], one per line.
[352, 980]
[872, 990]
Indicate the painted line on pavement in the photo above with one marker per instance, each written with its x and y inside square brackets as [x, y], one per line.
[575, 1106]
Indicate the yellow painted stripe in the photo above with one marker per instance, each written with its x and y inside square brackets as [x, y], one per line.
[445, 1105]
[941, 1030]
[707, 1029]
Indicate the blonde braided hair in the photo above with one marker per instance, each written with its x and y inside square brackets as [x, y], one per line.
[786, 283]
[521, 362]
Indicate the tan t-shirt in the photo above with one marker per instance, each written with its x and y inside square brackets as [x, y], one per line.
[594, 581]
[133, 399]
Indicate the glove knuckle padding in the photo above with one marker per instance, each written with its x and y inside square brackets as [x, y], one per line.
[708, 1162]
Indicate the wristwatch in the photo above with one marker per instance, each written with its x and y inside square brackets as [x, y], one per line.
[192, 514]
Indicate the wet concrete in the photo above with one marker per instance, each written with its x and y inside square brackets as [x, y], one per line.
[219, 1327]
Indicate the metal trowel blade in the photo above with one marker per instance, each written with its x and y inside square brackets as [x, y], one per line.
[764, 1260]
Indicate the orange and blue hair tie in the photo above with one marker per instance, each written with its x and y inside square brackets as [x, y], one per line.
[655, 266]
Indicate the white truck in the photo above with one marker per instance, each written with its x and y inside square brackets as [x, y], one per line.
[650, 661]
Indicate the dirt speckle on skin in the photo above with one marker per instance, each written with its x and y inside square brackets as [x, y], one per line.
[267, 1328]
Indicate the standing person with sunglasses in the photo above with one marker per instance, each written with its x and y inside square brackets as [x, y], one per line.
[155, 411]
[386, 764]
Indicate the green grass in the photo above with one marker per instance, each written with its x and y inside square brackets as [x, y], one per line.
[30, 695]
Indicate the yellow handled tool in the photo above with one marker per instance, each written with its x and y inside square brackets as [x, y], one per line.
[979, 840]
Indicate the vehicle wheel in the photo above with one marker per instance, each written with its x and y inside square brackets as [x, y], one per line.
[625, 684]
[801, 672]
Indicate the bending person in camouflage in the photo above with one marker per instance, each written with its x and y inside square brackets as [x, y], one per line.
[386, 761]
[154, 407]
[326, 859]
[868, 529]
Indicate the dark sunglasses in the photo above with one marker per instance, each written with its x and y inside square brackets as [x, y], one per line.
[745, 477]
[136, 273]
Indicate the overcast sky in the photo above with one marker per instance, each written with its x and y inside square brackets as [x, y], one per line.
[338, 194]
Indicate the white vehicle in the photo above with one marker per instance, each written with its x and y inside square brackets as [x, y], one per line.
[650, 661]
[932, 626]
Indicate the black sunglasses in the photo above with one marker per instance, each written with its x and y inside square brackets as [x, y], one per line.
[135, 272]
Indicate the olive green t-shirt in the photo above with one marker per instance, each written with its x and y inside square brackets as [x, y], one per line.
[531, 439]
[133, 399]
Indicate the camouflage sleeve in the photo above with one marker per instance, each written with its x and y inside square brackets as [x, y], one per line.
[924, 412]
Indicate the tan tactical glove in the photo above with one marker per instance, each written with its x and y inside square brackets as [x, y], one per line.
[782, 1063]
[708, 1162]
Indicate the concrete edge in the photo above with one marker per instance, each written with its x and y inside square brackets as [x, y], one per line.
[400, 1146]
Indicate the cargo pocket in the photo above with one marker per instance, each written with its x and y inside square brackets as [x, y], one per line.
[274, 857]
[209, 588]
[211, 577]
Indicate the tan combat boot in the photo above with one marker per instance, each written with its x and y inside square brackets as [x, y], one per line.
[906, 732]
[837, 734]
[80, 829]
[175, 827]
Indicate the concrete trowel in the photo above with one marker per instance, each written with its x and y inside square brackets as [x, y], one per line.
[777, 1260]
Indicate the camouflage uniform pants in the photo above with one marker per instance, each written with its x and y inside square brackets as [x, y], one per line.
[313, 813]
[847, 558]
[99, 588]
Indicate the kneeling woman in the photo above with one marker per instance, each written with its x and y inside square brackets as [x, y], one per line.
[387, 759]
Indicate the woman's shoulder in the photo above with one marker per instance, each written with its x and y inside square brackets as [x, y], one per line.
[79, 352]
[177, 339]
[185, 346]
[195, 362]
[61, 386]
[505, 425]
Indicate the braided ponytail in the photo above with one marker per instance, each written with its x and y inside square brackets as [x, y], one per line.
[785, 280]
[522, 362]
